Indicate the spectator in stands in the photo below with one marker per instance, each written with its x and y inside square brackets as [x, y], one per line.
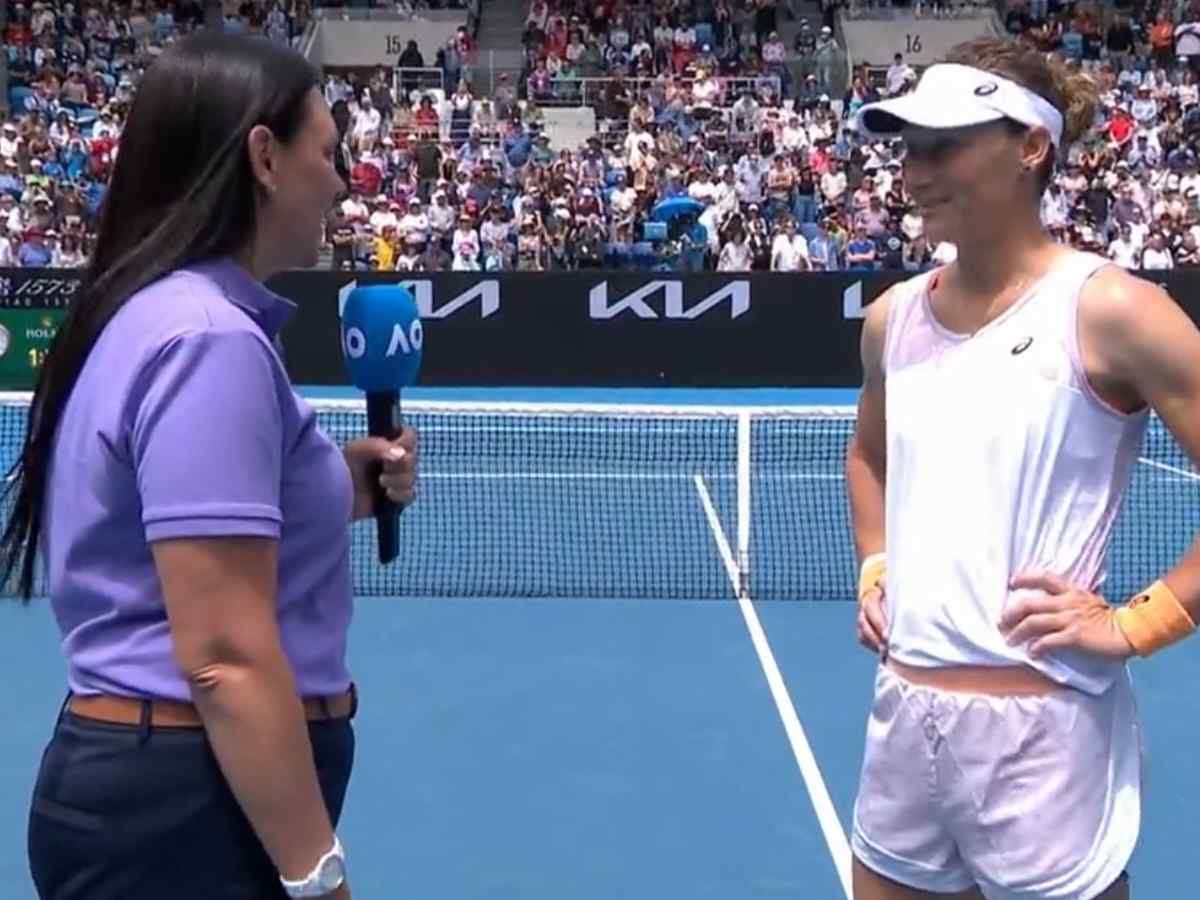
[432, 256]
[873, 219]
[504, 98]
[386, 245]
[466, 259]
[736, 255]
[833, 184]
[10, 248]
[336, 89]
[918, 254]
[411, 257]
[1124, 250]
[673, 135]
[861, 252]
[41, 216]
[825, 54]
[539, 84]
[1187, 251]
[411, 59]
[34, 252]
[899, 75]
[461, 109]
[465, 239]
[822, 248]
[1120, 42]
[426, 117]
[684, 45]
[365, 123]
[1156, 256]
[10, 142]
[341, 236]
[789, 251]
[774, 56]
[758, 236]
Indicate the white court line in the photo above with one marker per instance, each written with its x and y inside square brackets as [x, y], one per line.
[743, 501]
[611, 476]
[818, 793]
[1172, 469]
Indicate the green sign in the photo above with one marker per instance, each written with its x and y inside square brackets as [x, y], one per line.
[33, 304]
[25, 336]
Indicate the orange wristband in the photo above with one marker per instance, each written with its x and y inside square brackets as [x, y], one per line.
[874, 567]
[1154, 619]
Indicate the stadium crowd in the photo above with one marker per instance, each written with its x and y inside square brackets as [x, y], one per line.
[73, 68]
[716, 147]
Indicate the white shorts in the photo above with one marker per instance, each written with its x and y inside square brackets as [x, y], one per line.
[1026, 797]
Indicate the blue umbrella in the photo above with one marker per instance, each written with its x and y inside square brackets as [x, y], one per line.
[677, 206]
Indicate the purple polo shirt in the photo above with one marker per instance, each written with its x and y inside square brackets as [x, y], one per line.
[184, 424]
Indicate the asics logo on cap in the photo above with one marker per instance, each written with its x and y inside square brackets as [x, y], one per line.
[984, 89]
[1022, 347]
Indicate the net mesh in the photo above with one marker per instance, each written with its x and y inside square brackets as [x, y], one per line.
[530, 500]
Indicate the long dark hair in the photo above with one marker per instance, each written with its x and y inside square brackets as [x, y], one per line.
[182, 190]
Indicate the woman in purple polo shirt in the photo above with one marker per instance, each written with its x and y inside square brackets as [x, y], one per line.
[192, 516]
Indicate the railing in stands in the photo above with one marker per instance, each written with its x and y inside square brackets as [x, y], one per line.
[592, 91]
[387, 13]
[416, 81]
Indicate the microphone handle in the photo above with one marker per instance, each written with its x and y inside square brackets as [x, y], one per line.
[383, 420]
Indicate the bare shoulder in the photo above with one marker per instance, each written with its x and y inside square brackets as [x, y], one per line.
[875, 323]
[1115, 299]
[877, 313]
[1136, 343]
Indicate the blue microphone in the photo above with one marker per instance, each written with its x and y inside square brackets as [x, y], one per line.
[381, 341]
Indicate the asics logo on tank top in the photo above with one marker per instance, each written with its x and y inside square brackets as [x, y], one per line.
[1022, 347]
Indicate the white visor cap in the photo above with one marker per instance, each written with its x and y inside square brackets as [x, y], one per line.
[950, 95]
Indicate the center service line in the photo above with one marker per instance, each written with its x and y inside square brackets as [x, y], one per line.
[818, 793]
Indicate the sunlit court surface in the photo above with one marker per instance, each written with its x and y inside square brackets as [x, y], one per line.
[617, 659]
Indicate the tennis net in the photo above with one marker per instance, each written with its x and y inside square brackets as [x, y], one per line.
[584, 500]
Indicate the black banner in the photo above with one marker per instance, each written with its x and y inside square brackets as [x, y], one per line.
[605, 329]
[614, 329]
[37, 288]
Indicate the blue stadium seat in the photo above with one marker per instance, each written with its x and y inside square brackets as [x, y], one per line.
[85, 118]
[654, 231]
[17, 97]
[644, 255]
[704, 34]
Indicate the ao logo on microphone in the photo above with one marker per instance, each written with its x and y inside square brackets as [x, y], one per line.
[356, 341]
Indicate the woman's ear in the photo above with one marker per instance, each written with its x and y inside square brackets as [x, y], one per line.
[1035, 148]
[263, 150]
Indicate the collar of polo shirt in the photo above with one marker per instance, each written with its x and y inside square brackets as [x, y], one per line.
[269, 310]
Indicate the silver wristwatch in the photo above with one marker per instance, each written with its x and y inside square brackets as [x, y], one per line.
[328, 876]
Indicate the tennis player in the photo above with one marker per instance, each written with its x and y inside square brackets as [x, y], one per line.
[192, 516]
[1005, 399]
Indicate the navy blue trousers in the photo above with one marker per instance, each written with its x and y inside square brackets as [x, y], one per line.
[128, 812]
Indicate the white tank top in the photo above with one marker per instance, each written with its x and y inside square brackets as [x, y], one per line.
[1000, 459]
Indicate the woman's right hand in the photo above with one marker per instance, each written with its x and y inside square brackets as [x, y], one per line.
[872, 618]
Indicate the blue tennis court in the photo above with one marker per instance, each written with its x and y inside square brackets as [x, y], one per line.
[610, 735]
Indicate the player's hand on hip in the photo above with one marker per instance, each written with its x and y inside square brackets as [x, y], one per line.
[399, 470]
[872, 617]
[1057, 615]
